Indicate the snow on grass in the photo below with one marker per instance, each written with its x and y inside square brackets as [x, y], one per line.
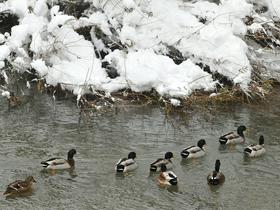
[203, 32]
[144, 70]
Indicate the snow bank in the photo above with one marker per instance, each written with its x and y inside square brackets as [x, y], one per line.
[144, 70]
[203, 32]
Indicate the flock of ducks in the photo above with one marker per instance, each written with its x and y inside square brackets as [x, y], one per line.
[162, 165]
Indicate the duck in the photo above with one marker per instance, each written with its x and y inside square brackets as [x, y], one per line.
[255, 150]
[194, 151]
[19, 187]
[13, 100]
[216, 177]
[167, 177]
[126, 164]
[60, 163]
[155, 166]
[234, 137]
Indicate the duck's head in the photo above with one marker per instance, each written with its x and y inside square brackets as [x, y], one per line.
[30, 179]
[240, 130]
[261, 140]
[168, 155]
[201, 143]
[217, 165]
[132, 155]
[71, 153]
[163, 168]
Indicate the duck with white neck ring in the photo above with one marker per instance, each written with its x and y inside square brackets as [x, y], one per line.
[126, 164]
[255, 150]
[216, 177]
[60, 163]
[234, 137]
[155, 166]
[194, 151]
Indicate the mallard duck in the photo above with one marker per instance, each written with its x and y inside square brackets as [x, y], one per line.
[155, 166]
[19, 187]
[255, 150]
[13, 100]
[60, 163]
[234, 137]
[216, 177]
[194, 151]
[167, 177]
[126, 164]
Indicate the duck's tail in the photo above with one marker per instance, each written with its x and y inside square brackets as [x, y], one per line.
[153, 168]
[120, 168]
[185, 154]
[223, 140]
[173, 181]
[45, 164]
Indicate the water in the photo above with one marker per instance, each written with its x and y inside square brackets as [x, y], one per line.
[44, 128]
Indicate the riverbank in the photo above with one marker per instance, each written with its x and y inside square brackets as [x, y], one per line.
[224, 50]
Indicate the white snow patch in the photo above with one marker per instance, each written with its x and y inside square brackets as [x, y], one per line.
[129, 4]
[144, 70]
[4, 52]
[2, 38]
[40, 66]
[6, 94]
[175, 102]
[2, 64]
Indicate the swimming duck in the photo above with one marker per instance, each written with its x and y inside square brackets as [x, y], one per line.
[155, 166]
[255, 150]
[13, 100]
[19, 187]
[60, 163]
[234, 137]
[167, 177]
[194, 151]
[216, 177]
[126, 164]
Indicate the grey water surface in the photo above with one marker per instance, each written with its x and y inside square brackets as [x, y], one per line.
[43, 128]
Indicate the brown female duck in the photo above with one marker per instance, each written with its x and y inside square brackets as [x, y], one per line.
[19, 187]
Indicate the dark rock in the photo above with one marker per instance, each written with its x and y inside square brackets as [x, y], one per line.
[74, 8]
[85, 31]
[7, 21]
[111, 71]
[175, 55]
[216, 75]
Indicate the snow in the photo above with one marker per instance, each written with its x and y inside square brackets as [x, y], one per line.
[40, 66]
[6, 94]
[144, 70]
[274, 8]
[175, 102]
[203, 32]
[2, 39]
[4, 52]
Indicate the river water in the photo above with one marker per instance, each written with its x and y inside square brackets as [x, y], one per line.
[43, 128]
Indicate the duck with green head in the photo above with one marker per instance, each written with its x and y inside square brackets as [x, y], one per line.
[126, 164]
[216, 177]
[234, 137]
[60, 163]
[255, 150]
[194, 151]
[155, 166]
